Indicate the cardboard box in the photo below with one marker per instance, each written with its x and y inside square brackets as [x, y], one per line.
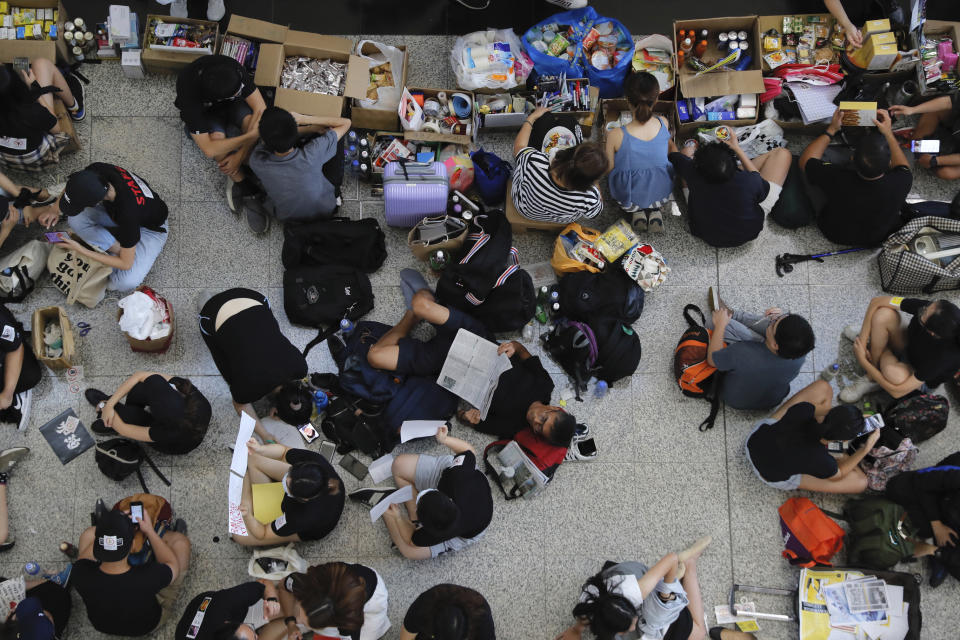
[720, 83]
[151, 346]
[611, 108]
[312, 45]
[165, 61]
[365, 118]
[936, 28]
[875, 26]
[66, 126]
[257, 31]
[765, 23]
[40, 319]
[50, 49]
[878, 52]
[429, 136]
[499, 121]
[858, 114]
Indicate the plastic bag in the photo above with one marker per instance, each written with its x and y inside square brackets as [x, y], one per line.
[754, 139]
[143, 317]
[663, 73]
[491, 59]
[387, 97]
[646, 266]
[562, 262]
[287, 561]
[411, 113]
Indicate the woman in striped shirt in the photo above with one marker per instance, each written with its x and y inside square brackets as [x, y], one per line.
[560, 191]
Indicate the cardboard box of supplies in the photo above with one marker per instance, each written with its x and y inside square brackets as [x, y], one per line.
[12, 47]
[158, 58]
[367, 118]
[43, 316]
[151, 346]
[321, 47]
[719, 83]
[466, 138]
[766, 23]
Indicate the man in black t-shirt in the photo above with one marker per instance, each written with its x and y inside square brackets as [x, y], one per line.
[864, 199]
[939, 120]
[19, 371]
[214, 615]
[118, 213]
[129, 600]
[221, 108]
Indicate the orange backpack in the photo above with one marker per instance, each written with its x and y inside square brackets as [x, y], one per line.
[696, 377]
[810, 537]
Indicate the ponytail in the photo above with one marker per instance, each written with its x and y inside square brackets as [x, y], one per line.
[642, 90]
[608, 613]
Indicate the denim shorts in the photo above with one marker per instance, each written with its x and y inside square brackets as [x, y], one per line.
[790, 484]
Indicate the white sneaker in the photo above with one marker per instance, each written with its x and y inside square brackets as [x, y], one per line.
[851, 331]
[178, 9]
[23, 401]
[215, 10]
[569, 4]
[861, 387]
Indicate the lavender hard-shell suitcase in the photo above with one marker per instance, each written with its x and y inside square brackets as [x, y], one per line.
[413, 190]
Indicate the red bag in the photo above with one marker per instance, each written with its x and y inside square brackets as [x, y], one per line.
[819, 74]
[545, 456]
[810, 537]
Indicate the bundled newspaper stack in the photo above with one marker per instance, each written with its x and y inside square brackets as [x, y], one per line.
[850, 605]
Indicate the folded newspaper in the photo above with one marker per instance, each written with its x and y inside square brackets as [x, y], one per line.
[517, 473]
[472, 370]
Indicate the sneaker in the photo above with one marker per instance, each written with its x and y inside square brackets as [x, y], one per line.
[180, 526]
[6, 546]
[851, 331]
[581, 432]
[62, 578]
[178, 9]
[95, 397]
[257, 218]
[576, 454]
[76, 88]
[569, 4]
[861, 387]
[235, 197]
[938, 571]
[10, 457]
[370, 496]
[98, 426]
[215, 10]
[23, 402]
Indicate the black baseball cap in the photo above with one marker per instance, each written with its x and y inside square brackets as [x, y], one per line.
[32, 624]
[114, 537]
[84, 189]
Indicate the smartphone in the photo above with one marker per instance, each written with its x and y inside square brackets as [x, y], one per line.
[356, 468]
[136, 511]
[56, 236]
[870, 424]
[835, 447]
[327, 449]
[586, 447]
[21, 64]
[925, 146]
[308, 432]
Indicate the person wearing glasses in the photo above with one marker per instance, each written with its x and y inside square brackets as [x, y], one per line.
[312, 500]
[759, 354]
[898, 359]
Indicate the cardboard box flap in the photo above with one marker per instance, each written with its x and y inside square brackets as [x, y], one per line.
[257, 29]
[269, 65]
[722, 83]
[358, 78]
[314, 104]
[10, 49]
[332, 44]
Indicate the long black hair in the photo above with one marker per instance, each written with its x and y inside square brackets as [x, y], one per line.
[608, 613]
[457, 613]
[842, 422]
[944, 321]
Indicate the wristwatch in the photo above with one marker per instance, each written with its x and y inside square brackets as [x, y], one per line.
[828, 134]
[290, 619]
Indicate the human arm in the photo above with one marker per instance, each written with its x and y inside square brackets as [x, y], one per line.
[574, 631]
[732, 142]
[8, 223]
[122, 261]
[885, 126]
[846, 464]
[271, 600]
[258, 427]
[721, 317]
[257, 104]
[12, 364]
[513, 347]
[937, 104]
[896, 390]
[819, 144]
[406, 635]
[401, 532]
[108, 413]
[288, 608]
[161, 551]
[220, 148]
[456, 445]
[835, 7]
[523, 136]
[614, 138]
[312, 124]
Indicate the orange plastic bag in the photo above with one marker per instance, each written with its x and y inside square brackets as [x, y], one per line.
[561, 262]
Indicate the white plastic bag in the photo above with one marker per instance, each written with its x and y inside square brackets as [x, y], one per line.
[411, 113]
[285, 554]
[142, 318]
[387, 97]
[491, 59]
[754, 139]
[663, 73]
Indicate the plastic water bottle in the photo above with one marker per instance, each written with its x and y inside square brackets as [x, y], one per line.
[527, 334]
[32, 569]
[601, 389]
[346, 327]
[351, 137]
[320, 400]
[830, 372]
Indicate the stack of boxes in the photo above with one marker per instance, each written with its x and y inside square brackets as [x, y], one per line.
[879, 50]
[24, 23]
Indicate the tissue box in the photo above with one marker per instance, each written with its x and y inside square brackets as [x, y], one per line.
[150, 346]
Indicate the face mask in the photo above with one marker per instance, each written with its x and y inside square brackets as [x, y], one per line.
[283, 483]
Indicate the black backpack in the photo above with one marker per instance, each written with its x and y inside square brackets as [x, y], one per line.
[118, 458]
[618, 349]
[573, 346]
[335, 241]
[354, 424]
[469, 281]
[585, 295]
[321, 296]
[918, 416]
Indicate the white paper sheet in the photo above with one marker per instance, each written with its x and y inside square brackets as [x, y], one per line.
[381, 469]
[413, 429]
[13, 592]
[235, 494]
[472, 370]
[397, 497]
[239, 462]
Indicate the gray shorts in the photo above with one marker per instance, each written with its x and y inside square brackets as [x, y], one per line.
[790, 484]
[429, 468]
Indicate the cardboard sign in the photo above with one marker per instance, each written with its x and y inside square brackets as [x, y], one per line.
[67, 436]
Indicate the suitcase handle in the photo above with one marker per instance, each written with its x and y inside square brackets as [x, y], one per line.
[764, 590]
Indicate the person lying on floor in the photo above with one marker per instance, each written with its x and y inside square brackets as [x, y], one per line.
[451, 500]
[165, 411]
[220, 615]
[923, 355]
[313, 495]
[788, 450]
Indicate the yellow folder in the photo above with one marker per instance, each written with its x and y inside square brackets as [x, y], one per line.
[266, 501]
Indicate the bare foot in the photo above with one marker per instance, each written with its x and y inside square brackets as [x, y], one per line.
[695, 549]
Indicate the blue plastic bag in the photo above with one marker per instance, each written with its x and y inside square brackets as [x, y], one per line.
[609, 82]
[490, 175]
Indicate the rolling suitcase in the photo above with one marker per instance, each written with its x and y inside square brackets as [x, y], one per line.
[413, 190]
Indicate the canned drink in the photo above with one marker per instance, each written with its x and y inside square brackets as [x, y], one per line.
[78, 53]
[742, 35]
[467, 216]
[80, 24]
[743, 45]
[722, 37]
[68, 27]
[731, 35]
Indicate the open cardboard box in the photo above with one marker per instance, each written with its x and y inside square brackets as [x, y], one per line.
[321, 47]
[937, 27]
[148, 345]
[40, 319]
[166, 61]
[765, 23]
[720, 83]
[258, 31]
[455, 138]
[366, 118]
[611, 108]
[10, 49]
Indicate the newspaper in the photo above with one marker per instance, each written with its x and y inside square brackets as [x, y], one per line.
[517, 473]
[826, 611]
[472, 370]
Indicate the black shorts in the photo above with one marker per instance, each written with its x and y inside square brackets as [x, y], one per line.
[681, 628]
[426, 358]
[226, 118]
[947, 134]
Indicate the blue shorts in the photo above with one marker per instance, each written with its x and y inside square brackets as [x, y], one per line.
[426, 358]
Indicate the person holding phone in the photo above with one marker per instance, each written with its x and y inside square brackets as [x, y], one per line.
[117, 213]
[788, 450]
[939, 120]
[166, 411]
[230, 614]
[129, 600]
[313, 495]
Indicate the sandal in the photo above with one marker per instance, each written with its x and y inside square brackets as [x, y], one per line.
[639, 221]
[655, 221]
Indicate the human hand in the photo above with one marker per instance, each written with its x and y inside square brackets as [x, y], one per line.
[901, 110]
[10, 221]
[773, 311]
[860, 350]
[28, 77]
[883, 122]
[392, 512]
[6, 399]
[442, 433]
[253, 446]
[230, 165]
[507, 348]
[721, 317]
[70, 244]
[731, 138]
[244, 509]
[293, 631]
[924, 160]
[836, 122]
[539, 111]
[872, 439]
[144, 521]
[271, 609]
[854, 37]
[472, 416]
[108, 414]
[943, 534]
[49, 218]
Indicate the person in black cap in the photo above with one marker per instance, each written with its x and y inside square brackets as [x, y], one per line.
[43, 615]
[230, 614]
[166, 411]
[117, 212]
[221, 108]
[129, 600]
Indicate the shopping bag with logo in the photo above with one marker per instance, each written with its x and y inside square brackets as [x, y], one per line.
[80, 278]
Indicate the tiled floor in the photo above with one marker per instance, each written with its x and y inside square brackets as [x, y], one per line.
[657, 486]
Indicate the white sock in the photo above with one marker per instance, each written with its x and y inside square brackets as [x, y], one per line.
[76, 105]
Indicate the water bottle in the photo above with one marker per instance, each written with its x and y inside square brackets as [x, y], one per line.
[320, 400]
[830, 372]
[32, 569]
[346, 327]
[528, 332]
[601, 389]
[351, 137]
[355, 167]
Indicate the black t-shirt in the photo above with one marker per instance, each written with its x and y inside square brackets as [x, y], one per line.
[310, 520]
[136, 204]
[190, 99]
[25, 122]
[424, 607]
[11, 332]
[859, 11]
[256, 357]
[468, 488]
[934, 360]
[859, 212]
[519, 387]
[170, 430]
[226, 610]
[124, 604]
[723, 215]
[779, 450]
